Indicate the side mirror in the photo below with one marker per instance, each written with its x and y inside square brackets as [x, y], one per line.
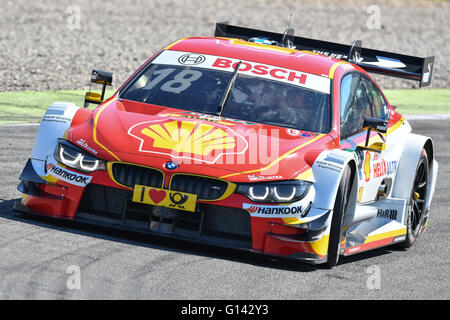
[377, 125]
[101, 77]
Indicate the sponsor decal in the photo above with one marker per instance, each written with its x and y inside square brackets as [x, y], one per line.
[165, 198]
[399, 239]
[388, 214]
[191, 59]
[379, 168]
[207, 117]
[188, 139]
[68, 176]
[56, 115]
[391, 167]
[83, 143]
[367, 166]
[352, 250]
[332, 54]
[298, 133]
[331, 162]
[293, 132]
[60, 112]
[252, 177]
[382, 168]
[293, 77]
[272, 211]
[386, 62]
[329, 166]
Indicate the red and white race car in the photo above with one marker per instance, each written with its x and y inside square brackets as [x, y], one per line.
[255, 140]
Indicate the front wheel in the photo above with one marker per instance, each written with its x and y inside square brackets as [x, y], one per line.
[340, 206]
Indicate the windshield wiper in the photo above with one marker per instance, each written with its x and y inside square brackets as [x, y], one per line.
[227, 92]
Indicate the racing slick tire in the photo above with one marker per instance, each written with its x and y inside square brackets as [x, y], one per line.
[340, 206]
[417, 201]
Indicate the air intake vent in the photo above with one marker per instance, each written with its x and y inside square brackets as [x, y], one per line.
[204, 188]
[130, 175]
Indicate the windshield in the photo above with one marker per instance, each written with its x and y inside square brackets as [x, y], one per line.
[254, 99]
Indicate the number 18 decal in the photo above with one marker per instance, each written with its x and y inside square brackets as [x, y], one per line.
[180, 82]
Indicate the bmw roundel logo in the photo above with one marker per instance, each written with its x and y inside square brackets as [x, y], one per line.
[171, 165]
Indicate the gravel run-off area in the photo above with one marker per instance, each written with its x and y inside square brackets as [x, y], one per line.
[47, 45]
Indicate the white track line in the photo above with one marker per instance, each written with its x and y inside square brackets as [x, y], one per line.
[427, 117]
[19, 124]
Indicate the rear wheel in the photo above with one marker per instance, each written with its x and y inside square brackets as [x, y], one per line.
[340, 206]
[416, 206]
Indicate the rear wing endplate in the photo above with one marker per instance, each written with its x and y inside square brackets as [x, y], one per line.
[374, 61]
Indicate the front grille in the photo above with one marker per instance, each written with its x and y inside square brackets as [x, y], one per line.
[130, 175]
[205, 188]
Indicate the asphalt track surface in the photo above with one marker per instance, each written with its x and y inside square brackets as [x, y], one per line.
[36, 254]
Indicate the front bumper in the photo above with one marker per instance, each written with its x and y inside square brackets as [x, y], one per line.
[223, 223]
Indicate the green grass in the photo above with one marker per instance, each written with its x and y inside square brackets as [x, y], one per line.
[420, 101]
[29, 106]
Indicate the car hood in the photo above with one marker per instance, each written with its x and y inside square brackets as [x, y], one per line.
[237, 150]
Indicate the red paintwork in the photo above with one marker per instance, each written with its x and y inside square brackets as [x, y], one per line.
[115, 118]
[65, 208]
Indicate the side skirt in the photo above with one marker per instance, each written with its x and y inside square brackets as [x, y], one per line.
[385, 225]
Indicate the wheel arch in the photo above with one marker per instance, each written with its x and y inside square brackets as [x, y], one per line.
[407, 165]
[328, 170]
[54, 125]
[55, 122]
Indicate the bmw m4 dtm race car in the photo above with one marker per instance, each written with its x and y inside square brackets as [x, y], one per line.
[250, 139]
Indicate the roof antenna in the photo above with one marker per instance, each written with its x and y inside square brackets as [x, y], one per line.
[288, 36]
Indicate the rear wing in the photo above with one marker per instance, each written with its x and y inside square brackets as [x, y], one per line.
[374, 61]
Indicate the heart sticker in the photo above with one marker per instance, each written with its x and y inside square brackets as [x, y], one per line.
[156, 195]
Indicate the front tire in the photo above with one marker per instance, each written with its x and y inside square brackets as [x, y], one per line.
[340, 206]
[416, 206]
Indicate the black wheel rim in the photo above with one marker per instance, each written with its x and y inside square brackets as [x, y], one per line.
[418, 203]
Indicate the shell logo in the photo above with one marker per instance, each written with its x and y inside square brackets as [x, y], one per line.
[188, 139]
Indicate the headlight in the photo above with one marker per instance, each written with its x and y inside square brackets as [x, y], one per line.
[76, 158]
[279, 192]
